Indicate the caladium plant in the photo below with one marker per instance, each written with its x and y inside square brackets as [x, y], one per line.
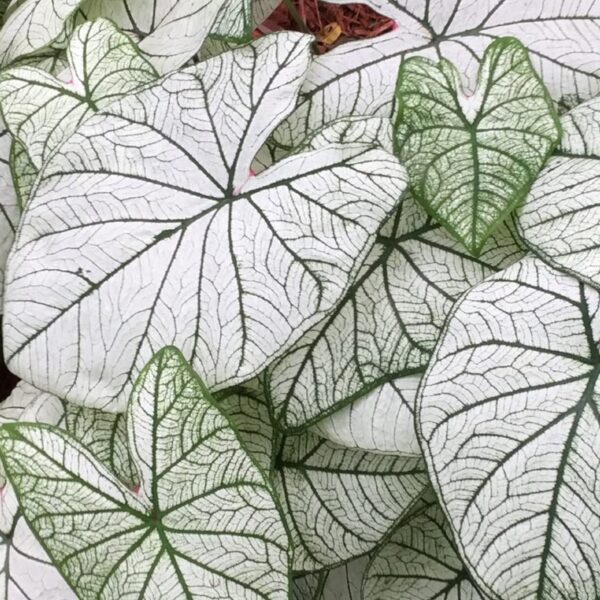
[294, 326]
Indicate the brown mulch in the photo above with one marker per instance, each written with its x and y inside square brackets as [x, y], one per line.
[332, 24]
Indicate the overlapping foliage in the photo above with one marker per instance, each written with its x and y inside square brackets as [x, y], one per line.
[297, 326]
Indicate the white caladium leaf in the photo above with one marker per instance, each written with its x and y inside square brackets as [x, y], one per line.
[176, 244]
[234, 21]
[341, 502]
[559, 217]
[490, 145]
[10, 212]
[420, 562]
[340, 583]
[360, 77]
[381, 421]
[32, 25]
[170, 32]
[204, 523]
[509, 417]
[41, 111]
[387, 324]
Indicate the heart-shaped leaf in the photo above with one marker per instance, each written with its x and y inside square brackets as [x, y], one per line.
[192, 251]
[219, 534]
[472, 159]
[360, 77]
[509, 417]
[559, 218]
[41, 111]
[380, 330]
[420, 562]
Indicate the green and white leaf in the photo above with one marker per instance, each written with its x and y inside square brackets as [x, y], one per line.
[234, 21]
[155, 233]
[389, 321]
[559, 218]
[169, 32]
[472, 159]
[41, 111]
[341, 502]
[32, 25]
[509, 418]
[381, 421]
[420, 562]
[360, 77]
[204, 523]
[340, 583]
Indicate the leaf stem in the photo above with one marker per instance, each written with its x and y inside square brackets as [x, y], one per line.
[296, 16]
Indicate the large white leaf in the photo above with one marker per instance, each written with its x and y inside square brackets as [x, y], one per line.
[472, 159]
[31, 25]
[419, 562]
[341, 502]
[560, 217]
[169, 31]
[155, 233]
[41, 111]
[381, 421]
[360, 77]
[204, 523]
[388, 322]
[509, 416]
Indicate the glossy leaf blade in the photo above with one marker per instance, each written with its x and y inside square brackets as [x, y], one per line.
[270, 255]
[510, 424]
